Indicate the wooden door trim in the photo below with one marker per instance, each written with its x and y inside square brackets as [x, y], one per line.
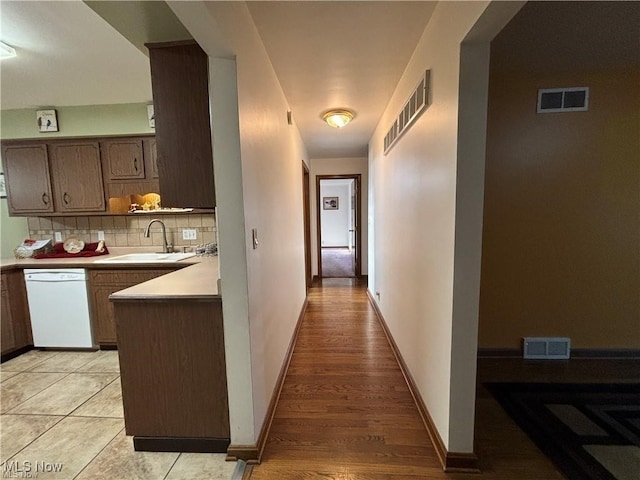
[348, 176]
[306, 202]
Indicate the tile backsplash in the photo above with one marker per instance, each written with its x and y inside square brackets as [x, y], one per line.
[126, 230]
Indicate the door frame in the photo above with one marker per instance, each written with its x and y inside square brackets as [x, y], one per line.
[358, 212]
[306, 202]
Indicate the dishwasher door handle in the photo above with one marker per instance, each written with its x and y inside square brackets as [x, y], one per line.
[55, 278]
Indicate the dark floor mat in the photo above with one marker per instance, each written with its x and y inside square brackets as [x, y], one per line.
[590, 431]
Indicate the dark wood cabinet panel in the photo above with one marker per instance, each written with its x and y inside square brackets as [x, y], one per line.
[103, 283]
[173, 373]
[14, 320]
[7, 340]
[28, 184]
[123, 159]
[77, 177]
[180, 83]
[151, 157]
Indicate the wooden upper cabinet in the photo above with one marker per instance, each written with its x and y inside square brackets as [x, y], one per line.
[77, 177]
[151, 157]
[123, 158]
[27, 179]
[180, 83]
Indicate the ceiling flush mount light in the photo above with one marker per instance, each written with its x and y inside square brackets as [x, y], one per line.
[337, 118]
[6, 51]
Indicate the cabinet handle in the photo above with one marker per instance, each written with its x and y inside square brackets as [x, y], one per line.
[45, 199]
[66, 198]
[135, 164]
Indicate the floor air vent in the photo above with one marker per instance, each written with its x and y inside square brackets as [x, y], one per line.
[549, 348]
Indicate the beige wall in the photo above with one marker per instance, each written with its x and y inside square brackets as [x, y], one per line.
[263, 190]
[339, 166]
[92, 120]
[561, 241]
[424, 216]
[414, 193]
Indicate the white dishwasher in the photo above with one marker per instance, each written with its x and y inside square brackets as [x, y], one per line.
[59, 307]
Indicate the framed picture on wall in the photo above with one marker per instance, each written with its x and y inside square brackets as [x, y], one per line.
[47, 120]
[330, 203]
[3, 189]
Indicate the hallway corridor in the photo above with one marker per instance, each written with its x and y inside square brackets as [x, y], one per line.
[346, 413]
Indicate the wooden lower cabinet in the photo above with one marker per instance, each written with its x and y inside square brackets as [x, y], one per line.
[15, 333]
[173, 374]
[103, 283]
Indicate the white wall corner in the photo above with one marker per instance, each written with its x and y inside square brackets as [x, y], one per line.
[233, 256]
[472, 135]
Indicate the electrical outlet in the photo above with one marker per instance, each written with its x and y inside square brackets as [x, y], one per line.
[189, 234]
[100, 235]
[58, 236]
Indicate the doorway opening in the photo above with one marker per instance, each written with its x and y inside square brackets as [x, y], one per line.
[339, 244]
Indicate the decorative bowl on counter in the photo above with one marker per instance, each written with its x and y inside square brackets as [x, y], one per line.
[73, 245]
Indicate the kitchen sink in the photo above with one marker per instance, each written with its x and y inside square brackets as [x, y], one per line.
[146, 258]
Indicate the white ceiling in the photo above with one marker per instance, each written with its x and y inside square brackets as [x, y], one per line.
[326, 55]
[67, 55]
[339, 55]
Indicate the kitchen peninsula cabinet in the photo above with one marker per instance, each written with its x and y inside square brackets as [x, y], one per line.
[28, 182]
[180, 84]
[173, 375]
[15, 322]
[103, 283]
[172, 361]
[77, 177]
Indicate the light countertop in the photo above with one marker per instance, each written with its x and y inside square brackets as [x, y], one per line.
[90, 262]
[197, 282]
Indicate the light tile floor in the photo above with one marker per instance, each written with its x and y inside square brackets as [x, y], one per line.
[61, 416]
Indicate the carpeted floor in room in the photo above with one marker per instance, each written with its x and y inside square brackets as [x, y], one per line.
[337, 263]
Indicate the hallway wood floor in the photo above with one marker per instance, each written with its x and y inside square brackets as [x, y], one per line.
[346, 413]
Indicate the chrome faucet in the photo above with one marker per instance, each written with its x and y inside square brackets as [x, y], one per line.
[166, 246]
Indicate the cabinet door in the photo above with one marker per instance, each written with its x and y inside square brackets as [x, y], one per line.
[104, 327]
[123, 158]
[7, 338]
[151, 157]
[77, 177]
[103, 283]
[26, 168]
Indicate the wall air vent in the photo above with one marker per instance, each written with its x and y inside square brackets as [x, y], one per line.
[417, 103]
[573, 99]
[546, 348]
